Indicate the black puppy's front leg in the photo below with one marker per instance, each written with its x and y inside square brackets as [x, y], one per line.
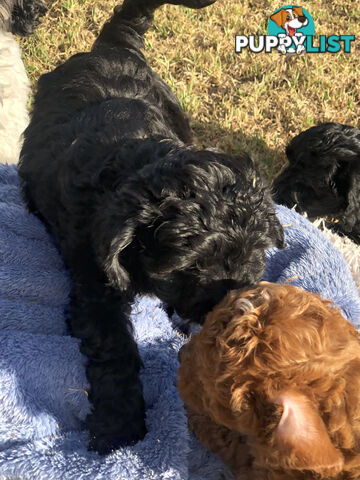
[100, 318]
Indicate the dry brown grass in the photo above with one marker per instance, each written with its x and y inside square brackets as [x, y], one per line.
[251, 102]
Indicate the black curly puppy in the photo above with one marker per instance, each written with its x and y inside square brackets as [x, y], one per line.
[20, 17]
[323, 178]
[107, 165]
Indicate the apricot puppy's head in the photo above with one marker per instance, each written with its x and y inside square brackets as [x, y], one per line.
[281, 366]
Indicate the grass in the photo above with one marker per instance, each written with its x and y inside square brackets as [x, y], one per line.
[237, 102]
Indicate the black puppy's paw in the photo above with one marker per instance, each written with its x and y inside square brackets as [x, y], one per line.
[106, 443]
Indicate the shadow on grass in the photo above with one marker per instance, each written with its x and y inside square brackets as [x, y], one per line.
[269, 160]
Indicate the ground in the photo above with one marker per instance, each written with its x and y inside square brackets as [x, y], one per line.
[237, 102]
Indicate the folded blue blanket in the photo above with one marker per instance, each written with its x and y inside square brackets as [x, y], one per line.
[43, 401]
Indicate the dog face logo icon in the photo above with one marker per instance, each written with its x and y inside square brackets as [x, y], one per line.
[291, 31]
[291, 24]
[290, 19]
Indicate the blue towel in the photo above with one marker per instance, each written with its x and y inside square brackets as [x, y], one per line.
[311, 262]
[43, 401]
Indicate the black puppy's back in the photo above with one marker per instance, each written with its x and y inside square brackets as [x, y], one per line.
[91, 104]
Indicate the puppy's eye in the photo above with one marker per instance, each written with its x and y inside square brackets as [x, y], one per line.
[288, 17]
[295, 16]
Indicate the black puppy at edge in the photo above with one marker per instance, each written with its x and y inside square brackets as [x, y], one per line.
[323, 177]
[106, 163]
[21, 17]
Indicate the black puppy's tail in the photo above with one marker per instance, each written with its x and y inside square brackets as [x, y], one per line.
[134, 17]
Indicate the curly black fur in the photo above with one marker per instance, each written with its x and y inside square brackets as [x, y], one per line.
[323, 178]
[21, 17]
[106, 163]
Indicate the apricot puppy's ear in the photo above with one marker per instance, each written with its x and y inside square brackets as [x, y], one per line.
[302, 437]
[279, 17]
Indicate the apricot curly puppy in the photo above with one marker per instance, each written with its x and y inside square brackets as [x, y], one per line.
[278, 371]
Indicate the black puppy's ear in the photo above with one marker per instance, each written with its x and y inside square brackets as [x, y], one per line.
[113, 231]
[351, 216]
[277, 234]
[114, 245]
[115, 228]
[276, 230]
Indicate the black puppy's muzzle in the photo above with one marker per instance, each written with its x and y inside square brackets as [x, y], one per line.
[204, 299]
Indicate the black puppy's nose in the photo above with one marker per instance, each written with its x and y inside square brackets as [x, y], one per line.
[302, 19]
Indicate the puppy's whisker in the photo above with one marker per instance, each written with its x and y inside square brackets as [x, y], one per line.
[85, 392]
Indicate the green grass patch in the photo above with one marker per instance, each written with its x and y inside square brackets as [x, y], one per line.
[247, 102]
